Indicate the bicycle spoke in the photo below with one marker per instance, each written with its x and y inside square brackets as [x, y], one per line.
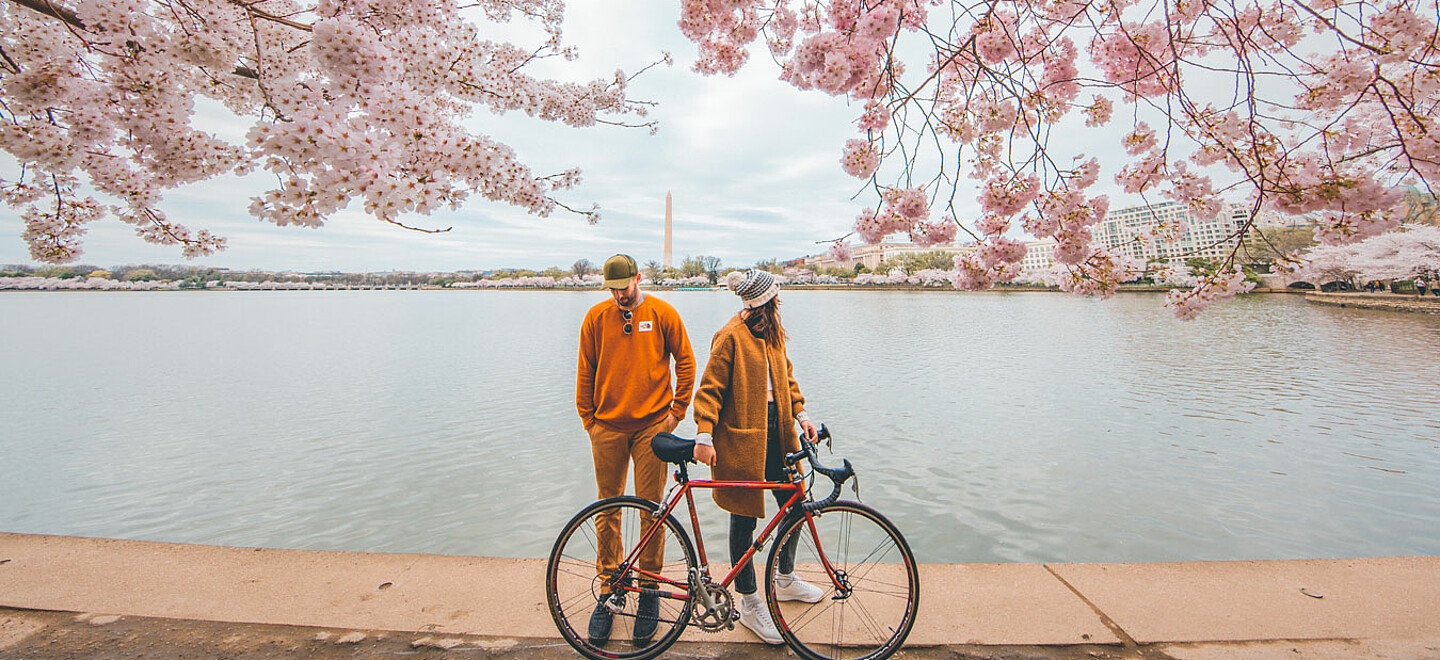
[580, 569]
[581, 599]
[864, 616]
[880, 598]
[608, 533]
[815, 610]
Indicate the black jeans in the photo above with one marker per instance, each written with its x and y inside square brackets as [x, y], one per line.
[742, 528]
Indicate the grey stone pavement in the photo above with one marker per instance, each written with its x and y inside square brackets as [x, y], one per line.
[76, 597]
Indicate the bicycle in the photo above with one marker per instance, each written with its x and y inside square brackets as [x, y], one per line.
[853, 553]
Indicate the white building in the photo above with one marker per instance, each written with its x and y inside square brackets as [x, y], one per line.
[873, 255]
[1125, 231]
[1039, 255]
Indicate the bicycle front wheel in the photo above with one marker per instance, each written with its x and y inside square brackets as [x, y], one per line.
[869, 595]
[582, 572]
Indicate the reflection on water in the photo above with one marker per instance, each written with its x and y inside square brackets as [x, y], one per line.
[990, 427]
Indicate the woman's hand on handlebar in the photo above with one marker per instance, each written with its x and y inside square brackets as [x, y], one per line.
[811, 432]
[705, 454]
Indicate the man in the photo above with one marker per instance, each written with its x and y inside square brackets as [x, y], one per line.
[624, 398]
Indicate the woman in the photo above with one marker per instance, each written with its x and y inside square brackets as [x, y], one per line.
[745, 409]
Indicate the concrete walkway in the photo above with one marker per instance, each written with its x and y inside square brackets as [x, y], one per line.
[1394, 602]
[1391, 302]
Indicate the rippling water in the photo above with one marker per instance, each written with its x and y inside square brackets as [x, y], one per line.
[990, 427]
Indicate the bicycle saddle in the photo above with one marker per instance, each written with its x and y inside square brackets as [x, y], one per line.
[672, 448]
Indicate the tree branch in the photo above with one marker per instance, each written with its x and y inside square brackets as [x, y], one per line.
[51, 9]
[402, 225]
[54, 10]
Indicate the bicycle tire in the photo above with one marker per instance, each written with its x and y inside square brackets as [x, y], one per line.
[573, 586]
[872, 620]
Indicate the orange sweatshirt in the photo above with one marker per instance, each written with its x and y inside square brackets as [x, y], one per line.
[623, 381]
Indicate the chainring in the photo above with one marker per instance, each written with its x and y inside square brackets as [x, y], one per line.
[712, 619]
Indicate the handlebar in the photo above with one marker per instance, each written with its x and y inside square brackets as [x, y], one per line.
[837, 475]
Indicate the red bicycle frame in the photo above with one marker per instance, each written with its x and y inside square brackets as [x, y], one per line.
[685, 487]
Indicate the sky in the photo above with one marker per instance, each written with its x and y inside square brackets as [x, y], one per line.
[752, 164]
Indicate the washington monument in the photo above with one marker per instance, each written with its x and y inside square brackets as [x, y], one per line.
[665, 261]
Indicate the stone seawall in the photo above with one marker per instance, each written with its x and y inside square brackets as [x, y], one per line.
[1383, 301]
[1157, 610]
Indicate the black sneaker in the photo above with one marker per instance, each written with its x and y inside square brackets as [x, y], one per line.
[646, 617]
[599, 631]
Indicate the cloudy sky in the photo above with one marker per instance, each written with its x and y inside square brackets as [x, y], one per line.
[753, 165]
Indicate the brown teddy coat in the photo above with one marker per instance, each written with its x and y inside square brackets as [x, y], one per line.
[730, 405]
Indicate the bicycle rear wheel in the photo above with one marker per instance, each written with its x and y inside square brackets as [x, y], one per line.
[869, 614]
[574, 586]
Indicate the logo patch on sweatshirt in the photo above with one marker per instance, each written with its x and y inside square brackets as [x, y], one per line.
[645, 326]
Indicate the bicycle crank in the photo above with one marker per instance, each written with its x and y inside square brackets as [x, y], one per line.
[711, 608]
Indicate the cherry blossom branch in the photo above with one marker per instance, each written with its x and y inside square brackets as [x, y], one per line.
[422, 230]
[51, 9]
[168, 229]
[345, 109]
[14, 68]
[250, 8]
[591, 216]
[1330, 25]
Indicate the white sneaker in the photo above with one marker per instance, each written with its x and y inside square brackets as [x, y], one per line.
[789, 587]
[756, 617]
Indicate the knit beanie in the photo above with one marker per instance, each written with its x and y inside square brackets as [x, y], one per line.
[755, 287]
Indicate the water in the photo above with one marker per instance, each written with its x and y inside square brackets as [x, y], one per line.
[991, 427]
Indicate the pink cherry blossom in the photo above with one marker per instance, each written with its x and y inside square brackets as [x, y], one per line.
[1225, 283]
[860, 159]
[992, 225]
[1140, 140]
[909, 203]
[1219, 101]
[1008, 196]
[363, 102]
[926, 234]
[1322, 110]
[871, 227]
[1099, 111]
[876, 117]
[1001, 250]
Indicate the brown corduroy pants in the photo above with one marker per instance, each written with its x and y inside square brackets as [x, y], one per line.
[614, 452]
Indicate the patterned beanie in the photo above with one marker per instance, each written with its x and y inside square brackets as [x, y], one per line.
[755, 287]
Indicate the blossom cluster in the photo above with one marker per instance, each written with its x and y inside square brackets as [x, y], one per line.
[369, 102]
[530, 282]
[1224, 283]
[1100, 274]
[926, 234]
[905, 210]
[860, 159]
[1409, 251]
[929, 277]
[82, 284]
[1307, 109]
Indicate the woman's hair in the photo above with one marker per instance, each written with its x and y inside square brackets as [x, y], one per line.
[764, 322]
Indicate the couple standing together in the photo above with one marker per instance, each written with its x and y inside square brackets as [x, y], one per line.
[746, 408]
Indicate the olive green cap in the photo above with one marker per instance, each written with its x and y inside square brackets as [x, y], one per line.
[619, 270]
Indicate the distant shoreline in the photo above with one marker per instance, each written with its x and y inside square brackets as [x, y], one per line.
[647, 287]
[1392, 302]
